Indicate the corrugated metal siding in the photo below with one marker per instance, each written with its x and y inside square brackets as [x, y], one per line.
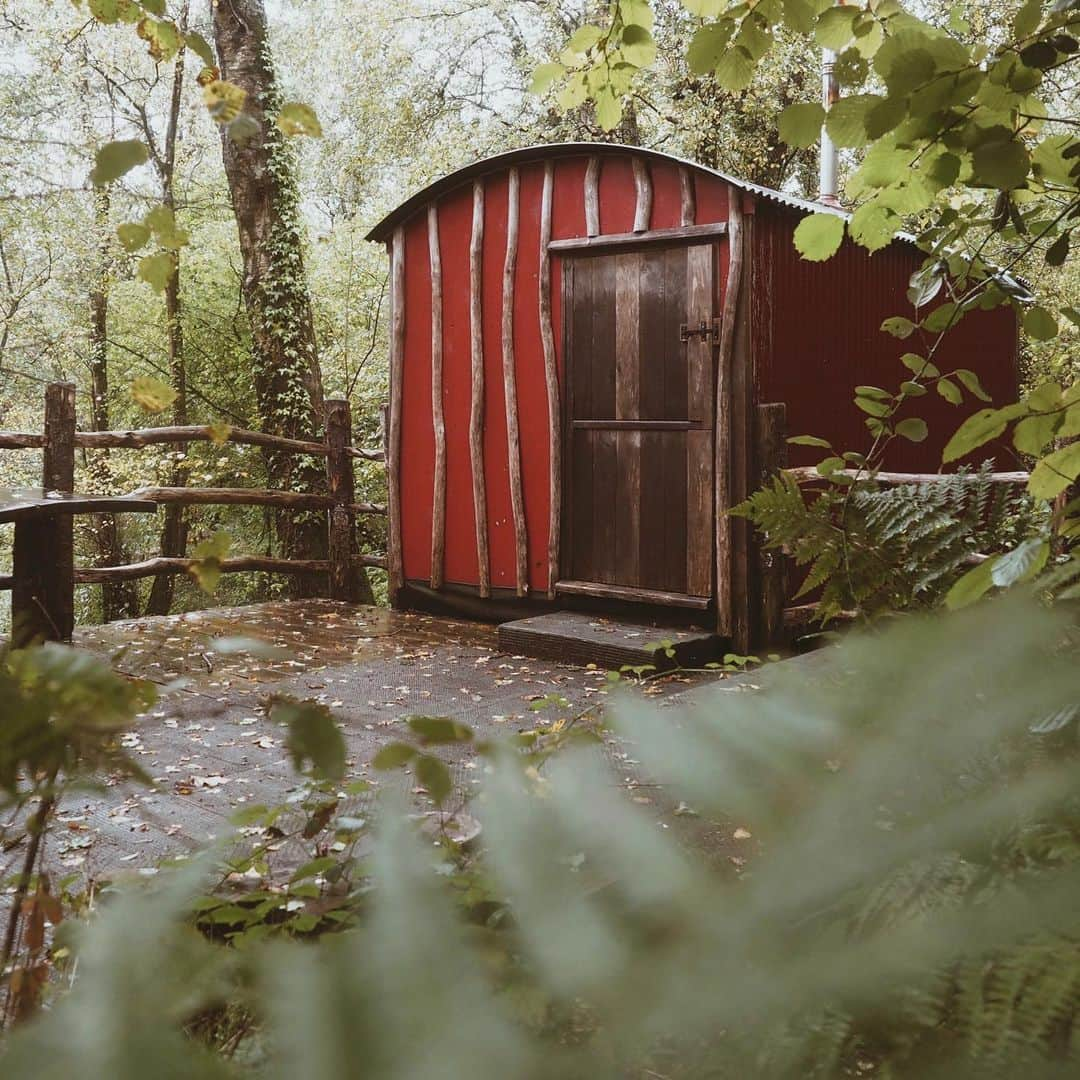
[817, 335]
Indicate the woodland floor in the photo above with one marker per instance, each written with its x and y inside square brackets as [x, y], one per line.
[212, 749]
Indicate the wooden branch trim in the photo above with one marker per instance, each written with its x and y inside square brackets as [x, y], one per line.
[289, 500]
[687, 197]
[99, 440]
[367, 455]
[807, 474]
[19, 440]
[688, 233]
[513, 432]
[641, 596]
[724, 387]
[640, 425]
[103, 575]
[476, 412]
[592, 197]
[643, 195]
[551, 378]
[438, 419]
[393, 435]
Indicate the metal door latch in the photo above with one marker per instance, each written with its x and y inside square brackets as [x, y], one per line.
[704, 330]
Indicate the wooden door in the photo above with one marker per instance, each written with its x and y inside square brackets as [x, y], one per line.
[640, 347]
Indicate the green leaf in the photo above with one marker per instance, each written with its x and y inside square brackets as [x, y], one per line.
[800, 125]
[313, 868]
[108, 11]
[584, 38]
[735, 69]
[913, 429]
[705, 9]
[295, 118]
[545, 76]
[1058, 251]
[975, 431]
[200, 47]
[393, 756]
[1027, 19]
[1040, 324]
[1000, 163]
[829, 466]
[434, 776]
[810, 440]
[153, 395]
[637, 45]
[942, 318]
[163, 222]
[637, 13]
[847, 119]
[312, 736]
[913, 389]
[873, 407]
[1021, 564]
[873, 227]
[157, 270]
[974, 584]
[1031, 434]
[920, 366]
[899, 327]
[132, 235]
[873, 392]
[972, 384]
[114, 159]
[439, 729]
[835, 27]
[609, 109]
[819, 236]
[950, 391]
[707, 46]
[1055, 472]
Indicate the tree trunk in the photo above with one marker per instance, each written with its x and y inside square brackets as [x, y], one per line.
[174, 525]
[261, 175]
[121, 599]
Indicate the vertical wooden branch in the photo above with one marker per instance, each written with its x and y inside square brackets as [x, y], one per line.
[592, 197]
[393, 460]
[342, 489]
[476, 414]
[513, 434]
[723, 414]
[438, 498]
[643, 195]
[551, 376]
[770, 449]
[687, 197]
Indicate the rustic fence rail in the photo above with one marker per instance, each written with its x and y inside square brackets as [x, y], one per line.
[59, 440]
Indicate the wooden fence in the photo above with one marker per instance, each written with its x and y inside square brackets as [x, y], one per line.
[60, 439]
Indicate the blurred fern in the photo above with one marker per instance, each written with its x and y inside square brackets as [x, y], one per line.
[911, 911]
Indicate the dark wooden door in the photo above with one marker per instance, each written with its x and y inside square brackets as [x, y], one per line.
[640, 336]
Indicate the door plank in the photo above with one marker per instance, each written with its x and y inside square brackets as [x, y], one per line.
[627, 568]
[605, 463]
[699, 445]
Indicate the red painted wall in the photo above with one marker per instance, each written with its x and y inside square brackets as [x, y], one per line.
[817, 335]
[617, 202]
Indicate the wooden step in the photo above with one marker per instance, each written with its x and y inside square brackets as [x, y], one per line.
[571, 637]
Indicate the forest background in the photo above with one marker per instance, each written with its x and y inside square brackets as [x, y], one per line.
[402, 95]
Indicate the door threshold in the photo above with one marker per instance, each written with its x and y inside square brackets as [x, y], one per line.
[639, 596]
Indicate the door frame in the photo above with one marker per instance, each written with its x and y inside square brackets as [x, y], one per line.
[569, 252]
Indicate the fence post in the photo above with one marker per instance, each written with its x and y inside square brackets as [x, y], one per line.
[770, 445]
[339, 473]
[47, 590]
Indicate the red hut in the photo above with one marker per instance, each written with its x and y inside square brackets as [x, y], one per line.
[580, 336]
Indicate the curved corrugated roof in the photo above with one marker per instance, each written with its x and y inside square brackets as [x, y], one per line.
[543, 152]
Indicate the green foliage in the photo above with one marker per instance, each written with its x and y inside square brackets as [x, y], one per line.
[911, 911]
[875, 550]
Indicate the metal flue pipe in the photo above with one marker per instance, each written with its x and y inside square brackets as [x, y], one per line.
[830, 93]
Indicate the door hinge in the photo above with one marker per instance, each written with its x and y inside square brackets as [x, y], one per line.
[707, 331]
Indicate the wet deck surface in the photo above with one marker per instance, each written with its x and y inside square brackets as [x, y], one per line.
[212, 749]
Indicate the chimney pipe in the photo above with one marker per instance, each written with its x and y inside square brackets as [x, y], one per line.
[830, 92]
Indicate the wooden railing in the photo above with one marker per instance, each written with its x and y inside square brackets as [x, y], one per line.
[60, 440]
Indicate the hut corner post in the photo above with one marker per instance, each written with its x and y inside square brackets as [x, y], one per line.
[45, 548]
[342, 488]
[770, 453]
